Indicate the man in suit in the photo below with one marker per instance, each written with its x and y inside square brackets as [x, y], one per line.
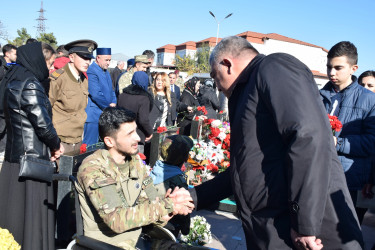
[101, 94]
[288, 183]
[174, 88]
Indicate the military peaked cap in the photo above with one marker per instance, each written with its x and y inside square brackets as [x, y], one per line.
[83, 48]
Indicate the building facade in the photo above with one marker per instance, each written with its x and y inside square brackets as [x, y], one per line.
[315, 57]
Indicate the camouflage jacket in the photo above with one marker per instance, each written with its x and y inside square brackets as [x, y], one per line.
[115, 199]
[125, 80]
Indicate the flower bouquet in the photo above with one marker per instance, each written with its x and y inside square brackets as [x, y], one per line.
[7, 241]
[336, 125]
[200, 232]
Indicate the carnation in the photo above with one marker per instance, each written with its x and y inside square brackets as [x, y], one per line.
[222, 136]
[215, 123]
[200, 232]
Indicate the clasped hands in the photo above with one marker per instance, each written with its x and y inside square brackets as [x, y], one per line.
[303, 242]
[182, 201]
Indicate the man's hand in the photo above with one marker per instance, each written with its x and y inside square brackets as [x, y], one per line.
[56, 154]
[148, 138]
[335, 140]
[190, 109]
[367, 191]
[112, 105]
[182, 201]
[305, 242]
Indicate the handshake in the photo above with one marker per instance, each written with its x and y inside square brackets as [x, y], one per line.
[182, 202]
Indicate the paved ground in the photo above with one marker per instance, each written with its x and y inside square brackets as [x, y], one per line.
[227, 231]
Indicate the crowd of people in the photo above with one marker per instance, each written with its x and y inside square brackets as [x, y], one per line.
[295, 185]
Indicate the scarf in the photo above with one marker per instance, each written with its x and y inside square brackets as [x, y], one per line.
[163, 171]
[30, 63]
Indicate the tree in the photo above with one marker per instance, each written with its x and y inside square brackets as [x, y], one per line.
[186, 64]
[48, 38]
[203, 59]
[3, 33]
[21, 39]
[198, 64]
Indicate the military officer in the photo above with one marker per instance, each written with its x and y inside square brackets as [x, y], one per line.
[141, 63]
[68, 94]
[116, 194]
[101, 94]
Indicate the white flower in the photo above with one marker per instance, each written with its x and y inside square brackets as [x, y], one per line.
[222, 136]
[215, 123]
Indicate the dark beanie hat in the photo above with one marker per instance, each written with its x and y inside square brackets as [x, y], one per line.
[175, 149]
[140, 78]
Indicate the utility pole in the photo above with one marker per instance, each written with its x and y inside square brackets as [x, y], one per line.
[41, 28]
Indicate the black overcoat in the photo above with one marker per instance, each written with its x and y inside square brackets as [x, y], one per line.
[284, 169]
[138, 100]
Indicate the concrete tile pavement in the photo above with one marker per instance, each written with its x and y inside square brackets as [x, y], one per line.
[227, 230]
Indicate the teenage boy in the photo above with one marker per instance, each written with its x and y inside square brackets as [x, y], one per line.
[355, 108]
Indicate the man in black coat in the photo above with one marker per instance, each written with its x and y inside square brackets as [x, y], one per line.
[116, 72]
[285, 175]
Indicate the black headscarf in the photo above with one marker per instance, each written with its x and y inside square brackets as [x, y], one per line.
[30, 63]
[190, 85]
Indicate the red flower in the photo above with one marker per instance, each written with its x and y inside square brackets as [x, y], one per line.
[161, 129]
[198, 167]
[336, 125]
[212, 167]
[204, 110]
[215, 132]
[142, 156]
[197, 118]
[183, 168]
[199, 108]
[83, 148]
[221, 112]
[217, 141]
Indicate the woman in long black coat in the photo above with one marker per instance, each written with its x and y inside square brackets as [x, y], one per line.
[136, 98]
[26, 205]
[207, 97]
[189, 97]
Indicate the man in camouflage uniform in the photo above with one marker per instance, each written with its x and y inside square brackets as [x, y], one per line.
[179, 82]
[141, 63]
[68, 94]
[117, 196]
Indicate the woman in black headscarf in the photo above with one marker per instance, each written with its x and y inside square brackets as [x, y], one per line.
[189, 97]
[26, 205]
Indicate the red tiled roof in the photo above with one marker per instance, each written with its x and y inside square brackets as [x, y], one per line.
[317, 73]
[167, 48]
[256, 37]
[188, 45]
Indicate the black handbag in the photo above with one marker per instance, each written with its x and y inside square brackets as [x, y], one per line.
[32, 167]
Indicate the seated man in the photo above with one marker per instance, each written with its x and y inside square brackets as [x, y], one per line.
[116, 195]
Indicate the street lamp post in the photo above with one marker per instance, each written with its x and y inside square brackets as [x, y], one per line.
[218, 23]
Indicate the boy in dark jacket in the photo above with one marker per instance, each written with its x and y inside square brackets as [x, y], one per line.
[167, 174]
[355, 108]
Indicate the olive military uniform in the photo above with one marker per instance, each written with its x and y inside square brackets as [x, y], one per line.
[125, 80]
[117, 199]
[68, 96]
